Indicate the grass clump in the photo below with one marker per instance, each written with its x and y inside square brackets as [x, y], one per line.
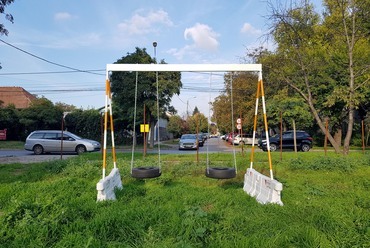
[53, 204]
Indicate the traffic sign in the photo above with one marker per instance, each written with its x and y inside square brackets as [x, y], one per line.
[239, 126]
[239, 121]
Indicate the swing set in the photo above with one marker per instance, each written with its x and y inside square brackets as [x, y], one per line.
[264, 189]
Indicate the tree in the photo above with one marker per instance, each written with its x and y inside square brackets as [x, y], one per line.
[42, 114]
[85, 123]
[9, 119]
[326, 63]
[176, 126]
[196, 110]
[198, 122]
[244, 87]
[123, 89]
[291, 108]
[9, 17]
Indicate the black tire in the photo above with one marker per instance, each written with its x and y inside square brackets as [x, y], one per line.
[273, 147]
[38, 150]
[145, 172]
[80, 149]
[305, 147]
[221, 172]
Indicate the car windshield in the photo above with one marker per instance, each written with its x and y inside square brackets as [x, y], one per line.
[188, 136]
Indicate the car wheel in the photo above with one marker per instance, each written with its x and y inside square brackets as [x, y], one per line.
[273, 147]
[38, 149]
[80, 149]
[305, 147]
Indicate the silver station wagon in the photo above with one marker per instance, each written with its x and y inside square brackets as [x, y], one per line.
[51, 141]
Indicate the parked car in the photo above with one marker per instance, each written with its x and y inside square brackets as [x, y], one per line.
[43, 141]
[245, 139]
[303, 139]
[188, 141]
[200, 139]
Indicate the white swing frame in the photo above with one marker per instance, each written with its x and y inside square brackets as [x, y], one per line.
[185, 68]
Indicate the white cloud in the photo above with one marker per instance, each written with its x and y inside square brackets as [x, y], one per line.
[61, 16]
[203, 36]
[249, 29]
[143, 24]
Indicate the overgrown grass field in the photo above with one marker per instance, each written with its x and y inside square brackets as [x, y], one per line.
[53, 204]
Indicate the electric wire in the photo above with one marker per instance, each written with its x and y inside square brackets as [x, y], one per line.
[48, 61]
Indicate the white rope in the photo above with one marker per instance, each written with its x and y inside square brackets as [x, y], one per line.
[134, 128]
[232, 122]
[159, 140]
[209, 114]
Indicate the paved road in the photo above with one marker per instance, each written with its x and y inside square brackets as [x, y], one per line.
[212, 145]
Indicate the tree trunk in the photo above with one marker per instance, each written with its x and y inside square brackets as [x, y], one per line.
[294, 137]
[332, 141]
[338, 136]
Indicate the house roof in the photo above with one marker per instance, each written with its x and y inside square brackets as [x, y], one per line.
[17, 96]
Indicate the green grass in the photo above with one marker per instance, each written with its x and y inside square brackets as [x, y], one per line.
[11, 144]
[326, 204]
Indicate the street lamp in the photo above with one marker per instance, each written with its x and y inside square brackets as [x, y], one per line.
[155, 52]
[187, 106]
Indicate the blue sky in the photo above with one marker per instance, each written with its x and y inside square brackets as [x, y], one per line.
[88, 34]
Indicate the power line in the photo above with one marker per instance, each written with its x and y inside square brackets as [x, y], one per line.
[47, 72]
[48, 61]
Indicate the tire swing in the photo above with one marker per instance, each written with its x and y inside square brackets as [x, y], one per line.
[144, 172]
[221, 172]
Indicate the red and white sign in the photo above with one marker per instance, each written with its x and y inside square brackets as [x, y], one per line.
[239, 126]
[239, 121]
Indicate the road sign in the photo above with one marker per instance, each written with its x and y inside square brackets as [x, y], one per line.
[239, 126]
[239, 121]
[144, 128]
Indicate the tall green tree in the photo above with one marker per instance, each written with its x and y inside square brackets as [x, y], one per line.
[42, 114]
[198, 122]
[176, 126]
[9, 119]
[289, 107]
[243, 96]
[325, 62]
[86, 123]
[123, 89]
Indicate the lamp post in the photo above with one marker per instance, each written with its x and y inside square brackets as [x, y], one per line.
[155, 52]
[187, 106]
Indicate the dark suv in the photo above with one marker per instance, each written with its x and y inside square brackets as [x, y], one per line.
[304, 141]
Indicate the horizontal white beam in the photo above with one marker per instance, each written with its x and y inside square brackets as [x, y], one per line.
[185, 67]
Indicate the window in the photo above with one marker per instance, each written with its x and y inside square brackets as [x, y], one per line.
[50, 136]
[37, 136]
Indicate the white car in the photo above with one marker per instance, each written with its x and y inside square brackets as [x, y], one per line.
[245, 140]
[50, 141]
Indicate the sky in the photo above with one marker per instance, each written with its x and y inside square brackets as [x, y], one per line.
[50, 39]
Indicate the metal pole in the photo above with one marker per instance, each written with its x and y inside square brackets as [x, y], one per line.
[144, 153]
